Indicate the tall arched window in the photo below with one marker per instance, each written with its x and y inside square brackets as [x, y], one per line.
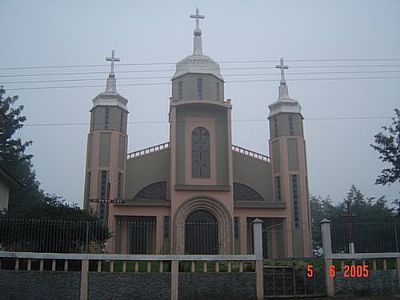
[200, 153]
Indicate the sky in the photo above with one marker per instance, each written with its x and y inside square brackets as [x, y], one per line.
[335, 42]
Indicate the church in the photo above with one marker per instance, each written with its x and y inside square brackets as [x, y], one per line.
[198, 193]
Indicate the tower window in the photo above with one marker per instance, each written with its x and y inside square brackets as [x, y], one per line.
[103, 190]
[200, 153]
[107, 118]
[295, 199]
[276, 126]
[291, 130]
[199, 88]
[278, 189]
[180, 90]
[120, 177]
[217, 88]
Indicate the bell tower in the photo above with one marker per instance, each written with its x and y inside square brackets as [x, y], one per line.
[289, 168]
[106, 148]
[201, 146]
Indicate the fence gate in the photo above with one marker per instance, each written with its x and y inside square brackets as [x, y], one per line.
[288, 279]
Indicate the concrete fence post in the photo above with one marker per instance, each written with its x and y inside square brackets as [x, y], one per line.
[174, 279]
[327, 247]
[398, 270]
[258, 252]
[84, 280]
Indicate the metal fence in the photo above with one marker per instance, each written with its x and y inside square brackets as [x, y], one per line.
[59, 236]
[289, 278]
[368, 235]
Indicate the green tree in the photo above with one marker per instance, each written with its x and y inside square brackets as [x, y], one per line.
[321, 208]
[364, 210]
[13, 156]
[387, 143]
[30, 203]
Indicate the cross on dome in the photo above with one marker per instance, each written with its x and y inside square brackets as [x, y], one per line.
[112, 59]
[197, 16]
[282, 67]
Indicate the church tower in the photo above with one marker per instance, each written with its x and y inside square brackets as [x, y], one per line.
[106, 148]
[289, 168]
[201, 155]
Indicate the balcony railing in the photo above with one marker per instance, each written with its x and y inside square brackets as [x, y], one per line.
[166, 145]
[250, 153]
[148, 150]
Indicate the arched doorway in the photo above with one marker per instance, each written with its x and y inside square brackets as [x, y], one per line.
[201, 233]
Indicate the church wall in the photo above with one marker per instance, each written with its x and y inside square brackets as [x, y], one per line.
[89, 152]
[283, 127]
[144, 170]
[216, 121]
[293, 156]
[189, 87]
[191, 124]
[105, 149]
[114, 118]
[254, 173]
[121, 152]
[222, 156]
[276, 156]
[98, 117]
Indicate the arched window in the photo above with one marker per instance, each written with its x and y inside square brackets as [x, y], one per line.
[154, 191]
[200, 153]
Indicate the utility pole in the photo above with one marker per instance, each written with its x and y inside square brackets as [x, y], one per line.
[349, 216]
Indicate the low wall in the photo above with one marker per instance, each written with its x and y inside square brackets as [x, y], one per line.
[39, 285]
[105, 285]
[378, 282]
[208, 286]
[129, 286]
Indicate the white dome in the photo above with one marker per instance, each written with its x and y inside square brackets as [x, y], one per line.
[199, 64]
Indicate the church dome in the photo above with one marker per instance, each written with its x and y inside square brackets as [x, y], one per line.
[199, 64]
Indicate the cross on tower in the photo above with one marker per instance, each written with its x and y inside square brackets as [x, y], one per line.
[112, 59]
[282, 67]
[197, 17]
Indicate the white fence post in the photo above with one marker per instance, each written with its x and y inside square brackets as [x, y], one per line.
[327, 247]
[84, 280]
[174, 279]
[258, 252]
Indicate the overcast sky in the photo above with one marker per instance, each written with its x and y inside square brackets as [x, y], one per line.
[82, 33]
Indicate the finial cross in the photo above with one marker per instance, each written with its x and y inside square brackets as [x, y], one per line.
[282, 67]
[197, 16]
[112, 59]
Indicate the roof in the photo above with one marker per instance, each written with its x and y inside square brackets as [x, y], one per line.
[11, 180]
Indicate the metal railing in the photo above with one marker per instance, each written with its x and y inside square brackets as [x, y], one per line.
[360, 261]
[250, 153]
[166, 145]
[58, 236]
[149, 150]
[174, 263]
[373, 235]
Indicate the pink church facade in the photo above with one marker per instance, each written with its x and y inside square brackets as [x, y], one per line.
[198, 193]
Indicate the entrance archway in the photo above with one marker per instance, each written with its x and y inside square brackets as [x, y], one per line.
[216, 209]
[201, 233]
